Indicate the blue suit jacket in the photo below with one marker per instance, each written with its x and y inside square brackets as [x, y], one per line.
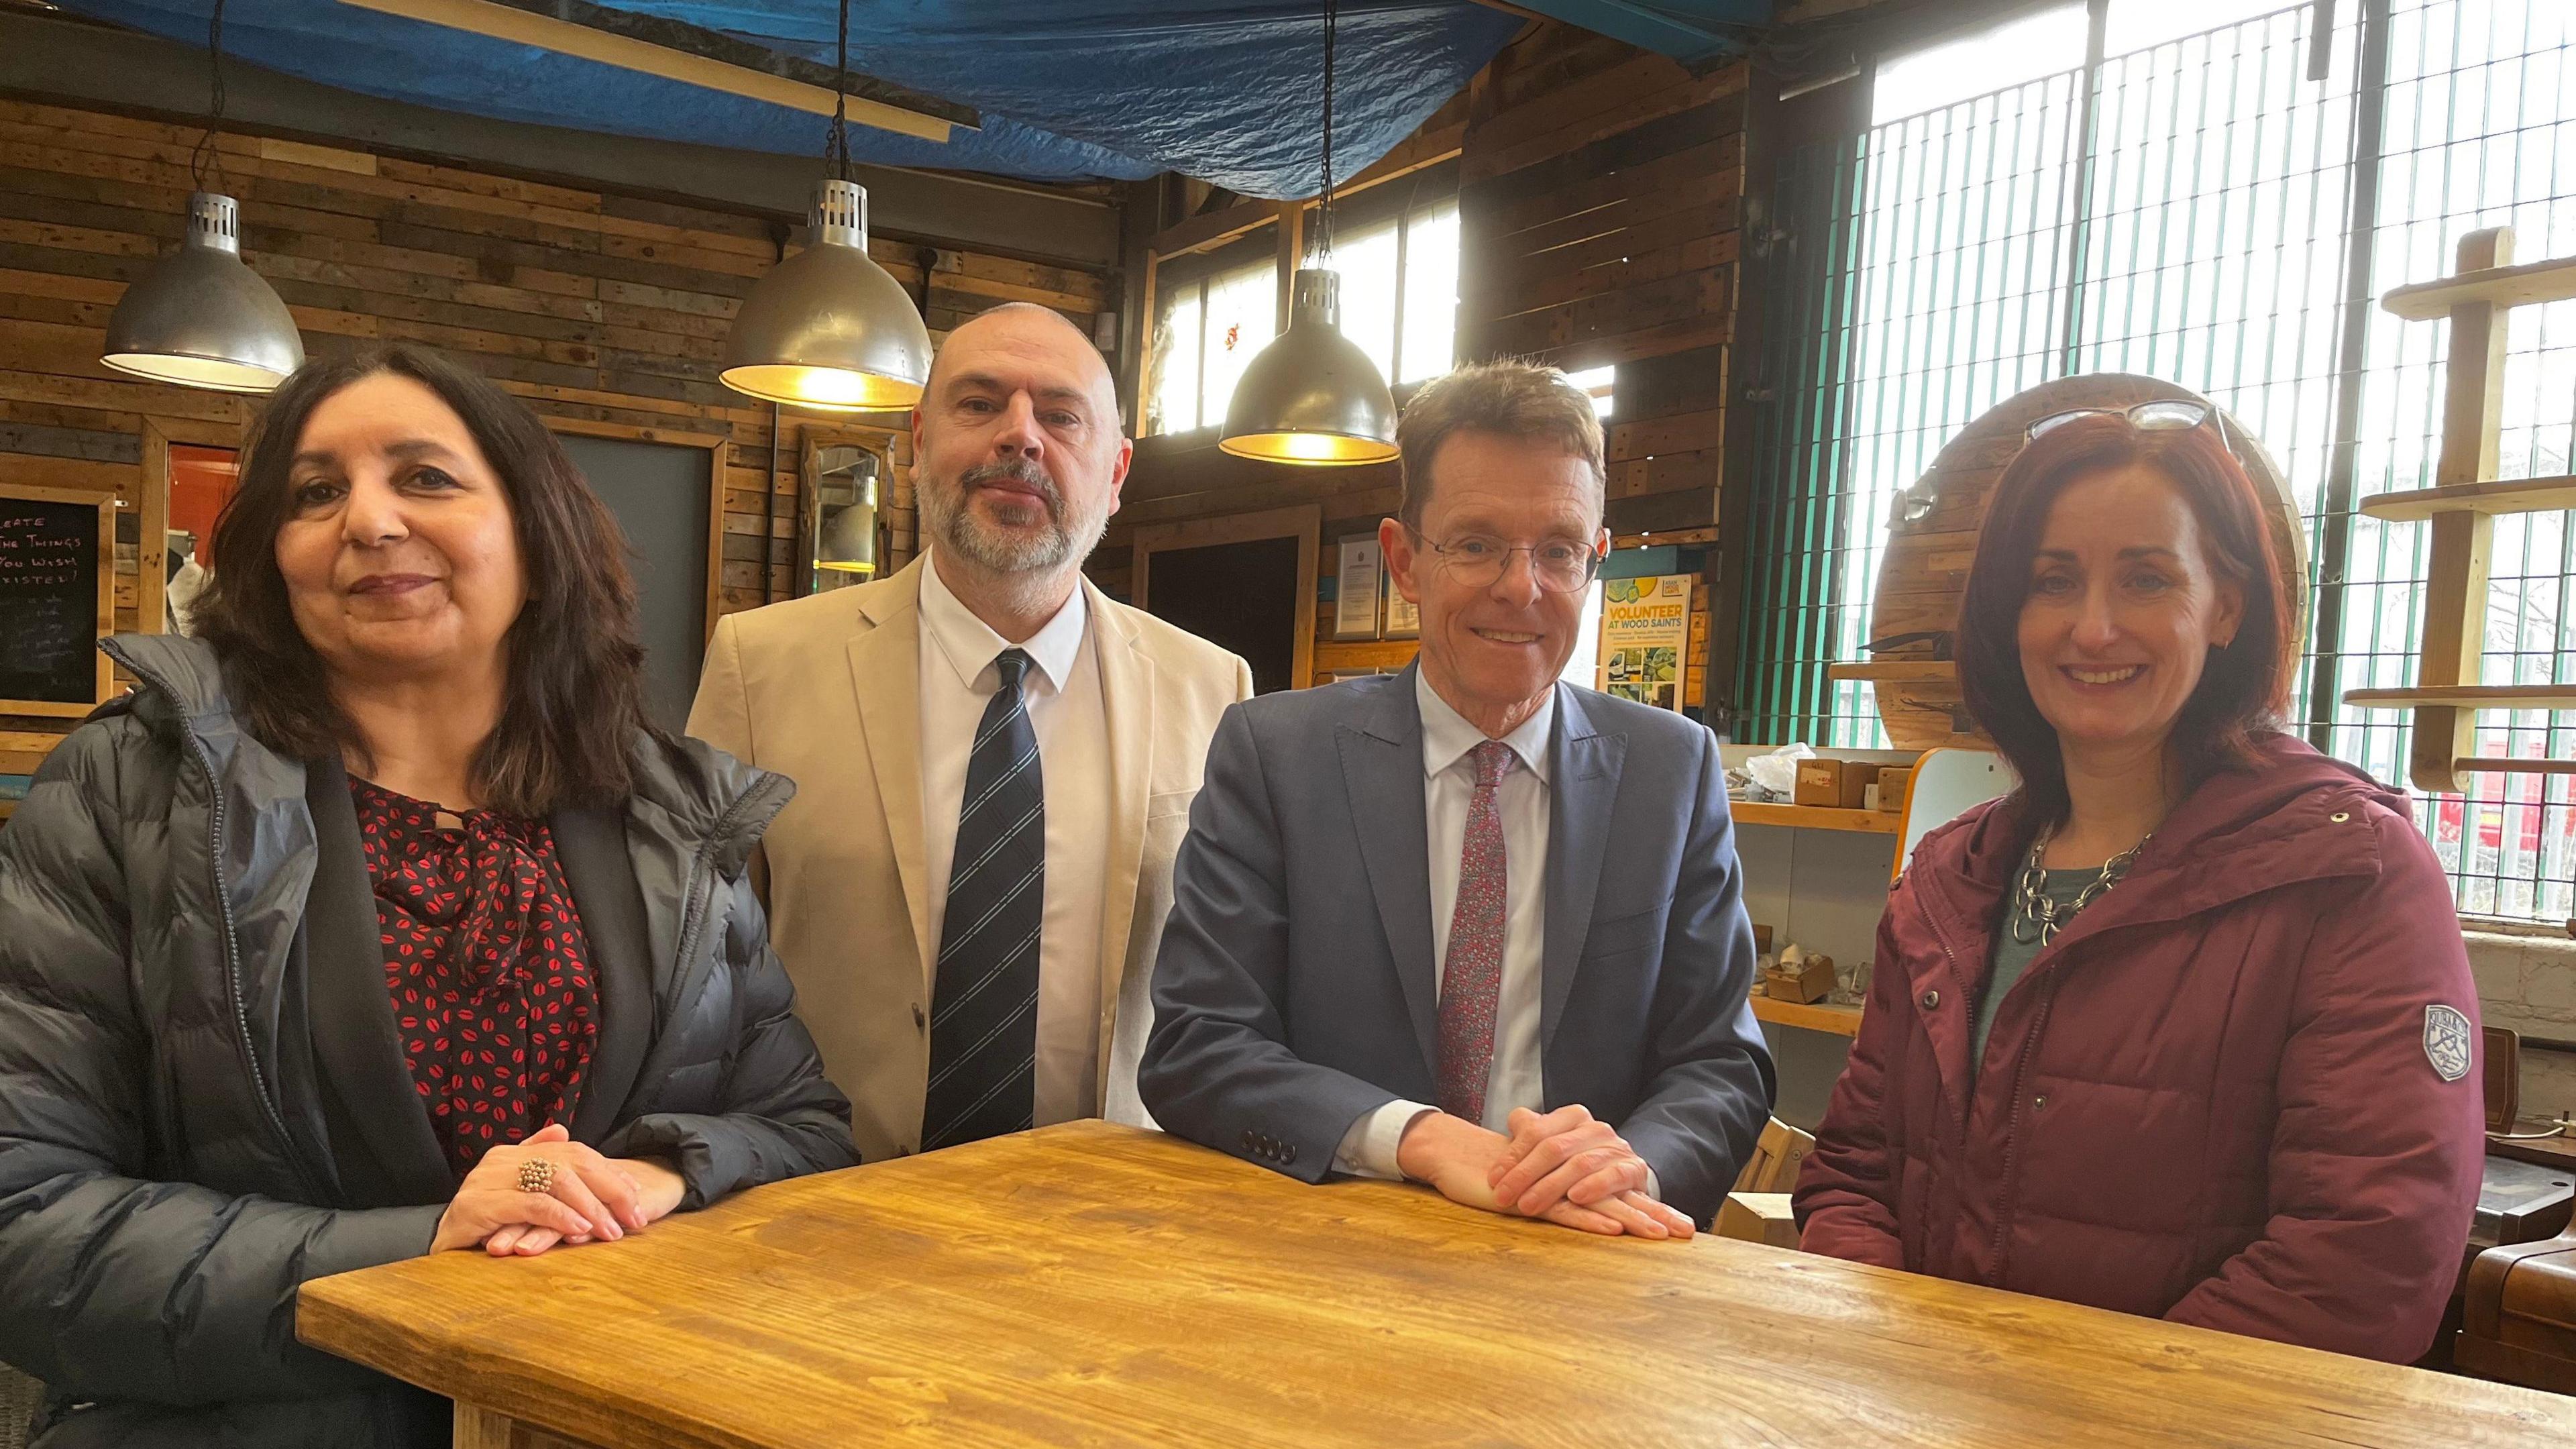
[1295, 989]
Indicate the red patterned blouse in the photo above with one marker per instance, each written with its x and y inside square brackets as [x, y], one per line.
[487, 966]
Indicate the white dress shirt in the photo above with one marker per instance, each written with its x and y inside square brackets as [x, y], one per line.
[1448, 787]
[1062, 696]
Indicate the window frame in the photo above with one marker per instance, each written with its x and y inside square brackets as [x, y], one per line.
[1401, 199]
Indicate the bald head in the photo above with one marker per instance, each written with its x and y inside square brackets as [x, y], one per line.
[1029, 331]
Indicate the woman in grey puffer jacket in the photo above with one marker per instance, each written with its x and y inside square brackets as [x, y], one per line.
[250, 1035]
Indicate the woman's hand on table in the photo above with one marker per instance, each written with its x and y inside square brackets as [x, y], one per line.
[658, 1187]
[589, 1197]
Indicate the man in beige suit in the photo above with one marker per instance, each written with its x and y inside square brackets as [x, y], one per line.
[994, 765]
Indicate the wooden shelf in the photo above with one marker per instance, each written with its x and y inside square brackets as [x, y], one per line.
[2468, 696]
[2495, 765]
[2517, 495]
[1815, 817]
[1813, 1016]
[1894, 671]
[2547, 281]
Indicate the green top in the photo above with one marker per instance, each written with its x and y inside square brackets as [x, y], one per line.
[2013, 956]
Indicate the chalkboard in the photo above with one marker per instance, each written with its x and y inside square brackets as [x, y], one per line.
[661, 494]
[57, 598]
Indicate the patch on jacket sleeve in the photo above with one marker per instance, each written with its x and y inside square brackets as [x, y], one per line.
[2446, 1042]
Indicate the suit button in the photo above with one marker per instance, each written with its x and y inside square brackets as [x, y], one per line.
[1931, 999]
[2039, 1101]
[1251, 1143]
[1292, 1152]
[919, 1017]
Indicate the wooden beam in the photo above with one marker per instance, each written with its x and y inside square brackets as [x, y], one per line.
[542, 24]
[2455, 589]
[1418, 152]
[1292, 255]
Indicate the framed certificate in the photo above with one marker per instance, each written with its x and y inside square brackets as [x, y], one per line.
[1403, 616]
[1355, 601]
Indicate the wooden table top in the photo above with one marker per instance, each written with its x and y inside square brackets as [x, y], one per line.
[1095, 1285]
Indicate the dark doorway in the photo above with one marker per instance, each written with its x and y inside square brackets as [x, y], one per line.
[1240, 596]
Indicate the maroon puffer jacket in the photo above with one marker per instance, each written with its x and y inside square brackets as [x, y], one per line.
[2241, 1090]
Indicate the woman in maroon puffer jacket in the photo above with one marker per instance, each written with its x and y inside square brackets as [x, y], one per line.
[2184, 1027]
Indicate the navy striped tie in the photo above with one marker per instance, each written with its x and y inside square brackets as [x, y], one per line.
[984, 1004]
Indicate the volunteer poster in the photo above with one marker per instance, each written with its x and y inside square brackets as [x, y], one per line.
[1645, 624]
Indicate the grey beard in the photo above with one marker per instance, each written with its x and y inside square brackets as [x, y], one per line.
[953, 524]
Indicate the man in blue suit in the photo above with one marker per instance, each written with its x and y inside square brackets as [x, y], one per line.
[1468, 925]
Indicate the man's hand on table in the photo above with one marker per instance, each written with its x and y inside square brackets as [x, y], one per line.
[1464, 1161]
[1568, 1156]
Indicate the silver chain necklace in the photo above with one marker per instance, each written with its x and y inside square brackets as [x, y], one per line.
[2037, 916]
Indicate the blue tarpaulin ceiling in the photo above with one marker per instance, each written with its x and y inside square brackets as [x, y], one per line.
[1224, 90]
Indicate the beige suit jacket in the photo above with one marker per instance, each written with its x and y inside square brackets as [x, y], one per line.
[826, 691]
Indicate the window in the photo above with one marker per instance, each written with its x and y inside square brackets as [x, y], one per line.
[1215, 317]
[1598, 384]
[1398, 260]
[2199, 222]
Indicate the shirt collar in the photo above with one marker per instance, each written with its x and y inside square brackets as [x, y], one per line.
[1447, 736]
[969, 644]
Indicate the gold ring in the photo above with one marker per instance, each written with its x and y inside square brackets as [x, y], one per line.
[536, 1175]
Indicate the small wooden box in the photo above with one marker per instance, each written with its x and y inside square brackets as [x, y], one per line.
[1892, 780]
[1810, 980]
[1834, 784]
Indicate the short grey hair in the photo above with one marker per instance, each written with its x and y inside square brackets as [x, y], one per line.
[1507, 398]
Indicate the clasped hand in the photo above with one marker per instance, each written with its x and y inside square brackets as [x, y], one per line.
[590, 1198]
[1563, 1166]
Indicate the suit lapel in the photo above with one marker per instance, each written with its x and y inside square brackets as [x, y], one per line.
[1382, 769]
[1127, 702]
[591, 846]
[356, 1041]
[885, 675]
[1583, 770]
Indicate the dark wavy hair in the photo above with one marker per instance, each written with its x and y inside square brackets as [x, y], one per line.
[576, 683]
[2242, 688]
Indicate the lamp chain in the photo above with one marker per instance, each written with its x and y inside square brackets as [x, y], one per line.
[1324, 206]
[207, 154]
[836, 149]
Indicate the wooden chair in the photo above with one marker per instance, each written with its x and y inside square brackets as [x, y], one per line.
[1757, 1211]
[1777, 1155]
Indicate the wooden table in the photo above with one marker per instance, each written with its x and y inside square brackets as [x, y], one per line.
[1096, 1285]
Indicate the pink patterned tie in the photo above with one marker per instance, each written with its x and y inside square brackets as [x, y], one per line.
[1472, 978]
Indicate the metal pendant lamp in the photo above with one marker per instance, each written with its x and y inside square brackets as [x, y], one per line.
[201, 317]
[828, 328]
[1313, 397]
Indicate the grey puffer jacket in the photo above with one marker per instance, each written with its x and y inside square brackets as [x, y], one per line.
[203, 1102]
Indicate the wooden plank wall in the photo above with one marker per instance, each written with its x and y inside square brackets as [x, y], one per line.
[1601, 208]
[594, 307]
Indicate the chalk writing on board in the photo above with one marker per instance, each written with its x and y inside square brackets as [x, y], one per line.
[49, 561]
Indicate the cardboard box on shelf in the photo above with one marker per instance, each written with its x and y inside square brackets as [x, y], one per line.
[1892, 780]
[1834, 784]
[1811, 979]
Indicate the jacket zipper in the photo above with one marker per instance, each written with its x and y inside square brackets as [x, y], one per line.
[2012, 1136]
[232, 951]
